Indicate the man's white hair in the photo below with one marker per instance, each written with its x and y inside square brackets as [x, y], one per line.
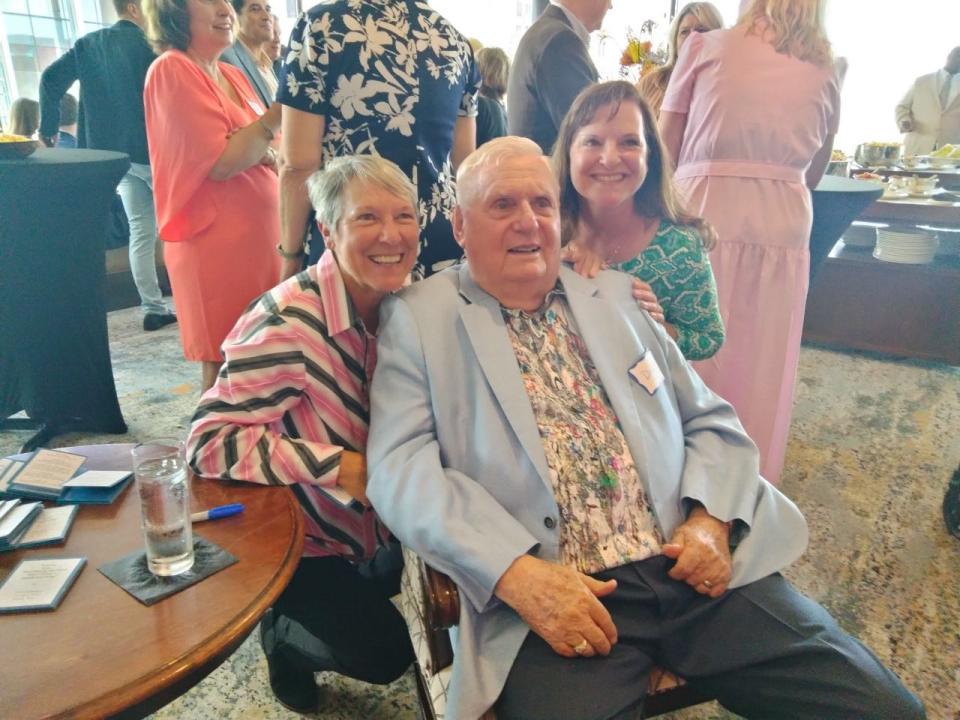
[492, 154]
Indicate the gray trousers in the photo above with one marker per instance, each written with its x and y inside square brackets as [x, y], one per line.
[763, 650]
[136, 193]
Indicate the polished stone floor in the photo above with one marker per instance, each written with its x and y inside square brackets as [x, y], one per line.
[872, 446]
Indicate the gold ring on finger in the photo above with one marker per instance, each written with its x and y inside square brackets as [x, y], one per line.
[581, 647]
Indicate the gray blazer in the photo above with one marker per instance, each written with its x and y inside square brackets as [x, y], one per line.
[458, 471]
[550, 68]
[238, 56]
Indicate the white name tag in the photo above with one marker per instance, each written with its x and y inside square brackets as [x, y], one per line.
[647, 373]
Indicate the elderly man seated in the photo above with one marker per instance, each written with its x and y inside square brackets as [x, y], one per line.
[539, 438]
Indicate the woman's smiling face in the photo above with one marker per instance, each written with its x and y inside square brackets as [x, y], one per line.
[608, 157]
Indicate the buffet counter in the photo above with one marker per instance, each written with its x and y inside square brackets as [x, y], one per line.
[909, 310]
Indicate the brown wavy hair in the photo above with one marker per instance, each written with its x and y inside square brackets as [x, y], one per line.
[656, 197]
[168, 24]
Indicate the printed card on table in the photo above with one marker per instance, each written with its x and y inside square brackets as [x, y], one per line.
[39, 584]
[98, 478]
[46, 472]
[8, 468]
[50, 527]
[16, 522]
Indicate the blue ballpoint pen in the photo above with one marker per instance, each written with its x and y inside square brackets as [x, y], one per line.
[218, 512]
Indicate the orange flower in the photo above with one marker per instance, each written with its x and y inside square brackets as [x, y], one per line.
[639, 53]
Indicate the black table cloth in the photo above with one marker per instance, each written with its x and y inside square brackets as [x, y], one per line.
[54, 351]
[837, 202]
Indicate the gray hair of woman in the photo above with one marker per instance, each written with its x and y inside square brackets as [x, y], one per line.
[327, 186]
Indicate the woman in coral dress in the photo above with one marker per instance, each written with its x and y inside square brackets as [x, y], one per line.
[749, 117]
[214, 172]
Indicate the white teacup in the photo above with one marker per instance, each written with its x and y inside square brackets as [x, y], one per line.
[921, 185]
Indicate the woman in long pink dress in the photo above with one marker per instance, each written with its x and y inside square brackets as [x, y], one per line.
[214, 174]
[749, 117]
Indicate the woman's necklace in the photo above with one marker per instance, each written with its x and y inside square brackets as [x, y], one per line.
[612, 254]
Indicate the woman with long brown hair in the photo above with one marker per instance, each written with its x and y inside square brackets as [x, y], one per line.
[619, 209]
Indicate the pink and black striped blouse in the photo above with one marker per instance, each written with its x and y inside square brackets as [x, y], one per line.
[292, 395]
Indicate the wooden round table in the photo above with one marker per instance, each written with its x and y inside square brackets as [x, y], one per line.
[102, 653]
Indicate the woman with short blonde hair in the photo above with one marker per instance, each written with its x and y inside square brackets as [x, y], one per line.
[749, 119]
[292, 408]
[693, 17]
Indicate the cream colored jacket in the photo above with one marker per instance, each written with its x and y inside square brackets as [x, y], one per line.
[932, 125]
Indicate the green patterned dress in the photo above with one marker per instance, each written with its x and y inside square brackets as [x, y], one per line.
[676, 266]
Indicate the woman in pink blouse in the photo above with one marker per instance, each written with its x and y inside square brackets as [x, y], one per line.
[292, 408]
[749, 118]
[214, 174]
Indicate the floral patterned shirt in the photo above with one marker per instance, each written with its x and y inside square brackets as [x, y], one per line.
[606, 519]
[391, 77]
[676, 266]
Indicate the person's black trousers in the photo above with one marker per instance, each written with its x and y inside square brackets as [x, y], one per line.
[763, 650]
[338, 616]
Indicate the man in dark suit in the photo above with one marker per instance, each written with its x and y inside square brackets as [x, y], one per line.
[111, 65]
[550, 67]
[249, 50]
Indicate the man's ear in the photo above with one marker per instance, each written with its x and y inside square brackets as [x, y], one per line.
[457, 222]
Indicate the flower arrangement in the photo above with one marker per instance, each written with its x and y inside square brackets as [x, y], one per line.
[639, 54]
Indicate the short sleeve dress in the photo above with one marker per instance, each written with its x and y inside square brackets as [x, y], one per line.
[755, 119]
[219, 237]
[390, 77]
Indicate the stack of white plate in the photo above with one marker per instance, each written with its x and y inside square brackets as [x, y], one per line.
[905, 245]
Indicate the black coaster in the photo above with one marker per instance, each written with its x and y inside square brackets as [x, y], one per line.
[132, 574]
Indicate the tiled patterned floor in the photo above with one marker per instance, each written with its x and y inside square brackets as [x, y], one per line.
[872, 446]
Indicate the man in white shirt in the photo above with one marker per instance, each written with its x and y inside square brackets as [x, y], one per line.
[248, 52]
[929, 113]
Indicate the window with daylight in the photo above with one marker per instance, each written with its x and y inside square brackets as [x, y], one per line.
[37, 33]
